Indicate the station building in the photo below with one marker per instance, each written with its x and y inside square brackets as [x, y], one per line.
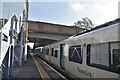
[13, 38]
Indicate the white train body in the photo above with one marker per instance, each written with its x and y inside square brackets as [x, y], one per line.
[95, 54]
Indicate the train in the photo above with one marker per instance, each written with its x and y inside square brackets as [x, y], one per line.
[91, 54]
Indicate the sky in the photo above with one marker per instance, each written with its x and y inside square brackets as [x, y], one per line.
[69, 11]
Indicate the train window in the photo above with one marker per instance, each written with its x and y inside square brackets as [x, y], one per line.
[88, 53]
[37, 50]
[44, 51]
[47, 51]
[99, 55]
[116, 60]
[75, 54]
[56, 53]
[115, 57]
[104, 56]
[52, 51]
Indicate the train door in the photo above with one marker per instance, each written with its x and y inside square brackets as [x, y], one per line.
[62, 57]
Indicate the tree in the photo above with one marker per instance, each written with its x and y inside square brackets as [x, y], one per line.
[85, 23]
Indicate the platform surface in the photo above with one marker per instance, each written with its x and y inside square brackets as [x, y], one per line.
[35, 69]
[27, 70]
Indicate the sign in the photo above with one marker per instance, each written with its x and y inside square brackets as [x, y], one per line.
[5, 38]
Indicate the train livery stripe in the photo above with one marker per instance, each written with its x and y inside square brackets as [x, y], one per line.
[36, 63]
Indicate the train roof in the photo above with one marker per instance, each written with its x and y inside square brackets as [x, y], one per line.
[99, 27]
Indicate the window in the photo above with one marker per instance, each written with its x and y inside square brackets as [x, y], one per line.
[75, 54]
[37, 51]
[115, 57]
[99, 55]
[104, 56]
[52, 51]
[56, 53]
[43, 50]
[88, 53]
[47, 51]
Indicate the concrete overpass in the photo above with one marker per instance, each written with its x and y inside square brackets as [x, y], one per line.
[46, 33]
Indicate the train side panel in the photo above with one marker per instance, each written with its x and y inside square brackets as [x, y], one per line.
[91, 55]
[85, 71]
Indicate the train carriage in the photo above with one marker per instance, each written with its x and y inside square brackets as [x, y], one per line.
[55, 54]
[91, 54]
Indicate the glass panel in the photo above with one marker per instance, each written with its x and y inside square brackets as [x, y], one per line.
[47, 51]
[56, 53]
[105, 54]
[75, 54]
[93, 54]
[98, 54]
[115, 57]
[52, 51]
[88, 54]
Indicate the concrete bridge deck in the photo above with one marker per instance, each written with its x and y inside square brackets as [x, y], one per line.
[43, 32]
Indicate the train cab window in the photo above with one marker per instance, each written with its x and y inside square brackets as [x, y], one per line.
[75, 54]
[52, 51]
[56, 53]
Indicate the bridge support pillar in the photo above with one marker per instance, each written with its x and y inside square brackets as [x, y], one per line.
[25, 53]
[24, 57]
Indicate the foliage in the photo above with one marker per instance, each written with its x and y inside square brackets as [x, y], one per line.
[85, 23]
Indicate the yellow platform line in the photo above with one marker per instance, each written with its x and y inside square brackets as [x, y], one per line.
[36, 63]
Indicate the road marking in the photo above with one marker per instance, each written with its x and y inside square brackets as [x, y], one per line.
[36, 63]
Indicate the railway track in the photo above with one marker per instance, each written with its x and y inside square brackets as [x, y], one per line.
[53, 74]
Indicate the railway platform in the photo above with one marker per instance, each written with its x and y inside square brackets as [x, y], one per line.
[35, 69]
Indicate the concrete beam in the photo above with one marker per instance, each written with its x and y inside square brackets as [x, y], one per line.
[53, 28]
[41, 40]
[48, 36]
